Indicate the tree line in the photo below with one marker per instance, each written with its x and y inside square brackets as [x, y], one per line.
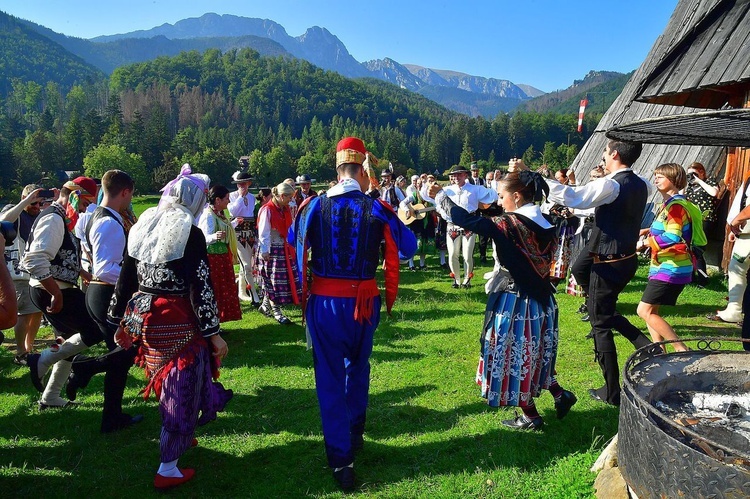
[286, 115]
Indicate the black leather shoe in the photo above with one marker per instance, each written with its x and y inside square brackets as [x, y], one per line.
[455, 285]
[521, 422]
[562, 406]
[466, 285]
[345, 478]
[125, 421]
[33, 362]
[358, 442]
[80, 375]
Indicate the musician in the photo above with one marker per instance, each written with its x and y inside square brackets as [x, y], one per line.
[423, 227]
[416, 184]
[242, 209]
[467, 196]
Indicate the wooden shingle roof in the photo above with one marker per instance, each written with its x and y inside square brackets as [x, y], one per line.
[705, 61]
[626, 109]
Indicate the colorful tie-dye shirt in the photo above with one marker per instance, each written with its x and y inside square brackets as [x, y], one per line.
[670, 238]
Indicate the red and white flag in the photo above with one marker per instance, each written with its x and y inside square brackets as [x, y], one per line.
[581, 109]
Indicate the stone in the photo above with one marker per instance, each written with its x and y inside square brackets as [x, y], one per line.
[609, 484]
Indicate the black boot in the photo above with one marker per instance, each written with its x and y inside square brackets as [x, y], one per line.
[115, 380]
[84, 368]
[642, 341]
[610, 392]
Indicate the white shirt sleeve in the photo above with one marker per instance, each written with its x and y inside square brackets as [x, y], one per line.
[48, 238]
[597, 193]
[485, 195]
[264, 231]
[425, 197]
[207, 226]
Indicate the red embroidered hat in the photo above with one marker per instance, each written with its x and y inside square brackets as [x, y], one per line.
[350, 150]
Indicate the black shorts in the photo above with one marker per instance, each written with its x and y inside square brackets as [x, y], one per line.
[661, 293]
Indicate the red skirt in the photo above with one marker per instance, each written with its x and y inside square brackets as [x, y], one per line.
[225, 290]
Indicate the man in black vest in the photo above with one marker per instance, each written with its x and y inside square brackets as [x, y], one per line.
[610, 263]
[106, 238]
[476, 178]
[52, 259]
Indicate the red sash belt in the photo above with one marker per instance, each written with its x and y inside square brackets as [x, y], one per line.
[364, 291]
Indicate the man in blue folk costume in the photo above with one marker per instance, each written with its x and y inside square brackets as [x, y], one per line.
[343, 229]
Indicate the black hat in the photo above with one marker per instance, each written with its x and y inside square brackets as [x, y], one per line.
[474, 167]
[304, 179]
[238, 177]
[458, 169]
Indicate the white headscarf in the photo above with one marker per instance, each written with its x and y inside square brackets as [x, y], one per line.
[162, 232]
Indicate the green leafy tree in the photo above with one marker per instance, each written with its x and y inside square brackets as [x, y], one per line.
[114, 157]
[73, 143]
[279, 163]
[529, 156]
[467, 152]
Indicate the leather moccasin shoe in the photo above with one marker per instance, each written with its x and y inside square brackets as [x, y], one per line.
[263, 310]
[716, 318]
[521, 422]
[562, 406]
[44, 407]
[167, 482]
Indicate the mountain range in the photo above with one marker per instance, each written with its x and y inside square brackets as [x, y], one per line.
[471, 95]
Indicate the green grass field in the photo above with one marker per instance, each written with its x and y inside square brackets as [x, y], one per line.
[429, 433]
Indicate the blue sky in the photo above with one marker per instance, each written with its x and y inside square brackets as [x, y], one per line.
[543, 43]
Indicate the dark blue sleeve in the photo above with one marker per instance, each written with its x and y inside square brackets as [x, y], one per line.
[405, 239]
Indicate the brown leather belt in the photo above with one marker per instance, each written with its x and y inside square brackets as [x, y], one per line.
[611, 258]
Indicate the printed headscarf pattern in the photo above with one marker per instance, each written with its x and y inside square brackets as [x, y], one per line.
[82, 188]
[162, 232]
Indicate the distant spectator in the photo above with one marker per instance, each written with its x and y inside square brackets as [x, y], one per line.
[22, 215]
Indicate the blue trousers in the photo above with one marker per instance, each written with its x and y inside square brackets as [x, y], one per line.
[341, 355]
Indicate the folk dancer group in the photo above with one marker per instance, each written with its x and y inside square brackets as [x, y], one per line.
[152, 289]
